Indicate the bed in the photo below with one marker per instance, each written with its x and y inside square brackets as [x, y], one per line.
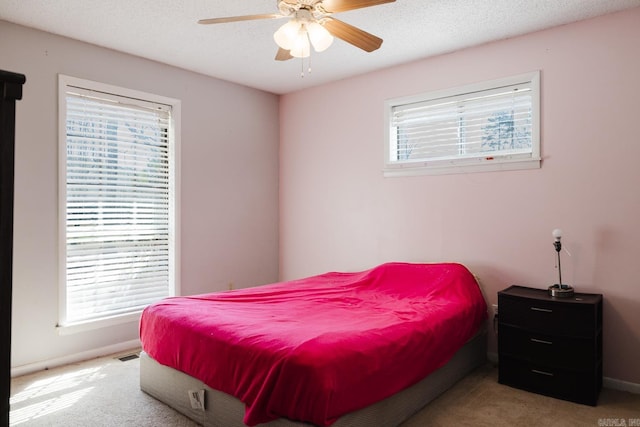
[338, 349]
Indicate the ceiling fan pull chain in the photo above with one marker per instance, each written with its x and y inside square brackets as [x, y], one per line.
[302, 68]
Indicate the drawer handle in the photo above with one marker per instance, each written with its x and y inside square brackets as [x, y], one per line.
[544, 310]
[540, 341]
[535, 371]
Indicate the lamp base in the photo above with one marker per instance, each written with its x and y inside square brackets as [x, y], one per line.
[561, 291]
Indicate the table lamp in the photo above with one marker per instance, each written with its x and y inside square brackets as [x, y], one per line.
[559, 290]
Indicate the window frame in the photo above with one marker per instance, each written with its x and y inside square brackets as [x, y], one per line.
[109, 91]
[480, 163]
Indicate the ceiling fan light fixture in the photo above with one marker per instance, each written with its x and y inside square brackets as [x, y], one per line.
[297, 36]
[320, 38]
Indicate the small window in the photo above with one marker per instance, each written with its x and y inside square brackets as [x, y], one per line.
[482, 127]
[118, 152]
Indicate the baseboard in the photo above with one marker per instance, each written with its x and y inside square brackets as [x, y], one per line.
[615, 384]
[73, 358]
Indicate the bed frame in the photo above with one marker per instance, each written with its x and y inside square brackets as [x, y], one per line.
[222, 410]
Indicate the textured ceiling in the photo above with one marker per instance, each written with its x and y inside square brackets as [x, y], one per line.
[243, 52]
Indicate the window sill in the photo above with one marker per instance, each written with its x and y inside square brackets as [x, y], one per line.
[452, 168]
[74, 328]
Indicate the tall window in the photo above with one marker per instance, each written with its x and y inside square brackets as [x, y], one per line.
[118, 191]
[488, 126]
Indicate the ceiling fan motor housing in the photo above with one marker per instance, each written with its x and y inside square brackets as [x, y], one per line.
[311, 10]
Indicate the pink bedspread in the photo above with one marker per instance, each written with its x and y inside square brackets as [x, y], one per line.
[317, 348]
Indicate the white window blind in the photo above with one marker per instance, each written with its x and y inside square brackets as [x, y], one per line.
[480, 125]
[119, 197]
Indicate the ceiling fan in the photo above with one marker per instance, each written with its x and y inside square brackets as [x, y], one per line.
[311, 23]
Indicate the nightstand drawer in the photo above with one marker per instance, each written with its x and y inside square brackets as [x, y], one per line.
[563, 384]
[575, 354]
[547, 316]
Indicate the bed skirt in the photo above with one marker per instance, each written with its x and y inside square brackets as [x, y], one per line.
[222, 410]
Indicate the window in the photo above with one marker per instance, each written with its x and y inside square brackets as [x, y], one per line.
[118, 202]
[488, 126]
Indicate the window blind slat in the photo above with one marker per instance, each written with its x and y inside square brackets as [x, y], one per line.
[92, 141]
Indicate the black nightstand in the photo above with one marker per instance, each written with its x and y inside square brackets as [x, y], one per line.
[551, 346]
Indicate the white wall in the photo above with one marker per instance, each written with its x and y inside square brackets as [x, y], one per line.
[337, 212]
[229, 182]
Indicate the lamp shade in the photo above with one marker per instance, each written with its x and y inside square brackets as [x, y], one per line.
[320, 38]
[287, 34]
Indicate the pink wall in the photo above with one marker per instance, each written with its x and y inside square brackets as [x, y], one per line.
[337, 212]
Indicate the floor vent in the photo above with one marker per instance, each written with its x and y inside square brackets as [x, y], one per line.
[128, 357]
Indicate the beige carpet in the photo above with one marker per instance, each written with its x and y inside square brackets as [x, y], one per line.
[106, 392]
[478, 400]
[100, 392]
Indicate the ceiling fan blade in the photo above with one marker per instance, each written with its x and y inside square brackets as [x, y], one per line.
[350, 34]
[283, 55]
[335, 6]
[240, 18]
